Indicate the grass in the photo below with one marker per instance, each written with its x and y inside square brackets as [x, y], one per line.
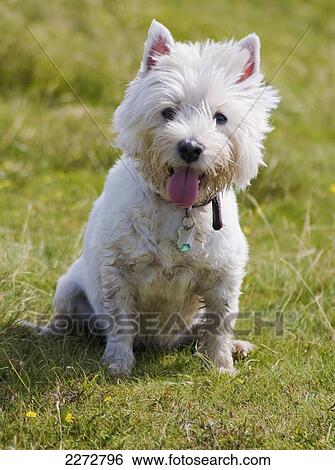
[53, 160]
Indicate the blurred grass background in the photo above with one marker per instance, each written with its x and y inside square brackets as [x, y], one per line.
[53, 160]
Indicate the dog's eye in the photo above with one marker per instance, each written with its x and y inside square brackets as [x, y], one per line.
[220, 119]
[169, 114]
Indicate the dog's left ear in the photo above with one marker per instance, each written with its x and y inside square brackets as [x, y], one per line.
[159, 42]
[253, 45]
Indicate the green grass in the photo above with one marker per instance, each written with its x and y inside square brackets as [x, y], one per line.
[52, 166]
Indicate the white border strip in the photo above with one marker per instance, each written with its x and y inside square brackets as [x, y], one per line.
[167, 459]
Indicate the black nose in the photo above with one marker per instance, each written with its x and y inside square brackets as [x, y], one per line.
[190, 150]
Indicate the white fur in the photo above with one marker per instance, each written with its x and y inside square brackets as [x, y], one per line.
[130, 261]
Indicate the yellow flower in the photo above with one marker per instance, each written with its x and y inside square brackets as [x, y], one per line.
[246, 230]
[332, 188]
[108, 399]
[69, 418]
[31, 414]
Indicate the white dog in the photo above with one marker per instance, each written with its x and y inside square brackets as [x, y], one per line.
[163, 240]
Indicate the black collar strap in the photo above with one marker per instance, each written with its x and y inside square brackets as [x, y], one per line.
[217, 213]
[217, 223]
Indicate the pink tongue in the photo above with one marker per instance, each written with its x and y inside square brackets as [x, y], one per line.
[183, 187]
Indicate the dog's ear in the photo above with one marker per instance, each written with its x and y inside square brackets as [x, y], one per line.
[252, 44]
[159, 42]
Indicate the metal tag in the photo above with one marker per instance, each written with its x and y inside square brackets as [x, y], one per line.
[186, 233]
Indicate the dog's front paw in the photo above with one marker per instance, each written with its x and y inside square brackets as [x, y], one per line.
[219, 354]
[118, 369]
[223, 362]
[119, 359]
[228, 371]
[241, 348]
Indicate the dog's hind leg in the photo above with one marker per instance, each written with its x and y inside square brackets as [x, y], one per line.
[69, 296]
[71, 306]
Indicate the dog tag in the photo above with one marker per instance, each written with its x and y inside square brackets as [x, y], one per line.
[186, 233]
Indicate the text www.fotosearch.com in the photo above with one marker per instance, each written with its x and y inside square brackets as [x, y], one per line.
[189, 460]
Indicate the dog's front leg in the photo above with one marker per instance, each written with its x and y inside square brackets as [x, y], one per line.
[118, 355]
[121, 331]
[215, 340]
